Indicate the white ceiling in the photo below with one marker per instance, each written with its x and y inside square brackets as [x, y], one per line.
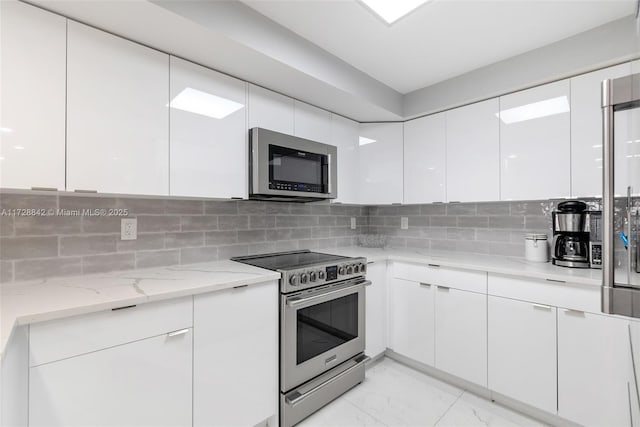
[441, 39]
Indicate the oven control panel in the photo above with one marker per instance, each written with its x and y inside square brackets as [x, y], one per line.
[312, 276]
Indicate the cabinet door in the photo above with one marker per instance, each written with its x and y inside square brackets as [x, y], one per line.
[425, 159]
[208, 132]
[270, 110]
[535, 143]
[344, 135]
[236, 356]
[143, 383]
[117, 118]
[593, 369]
[522, 351]
[411, 314]
[33, 70]
[381, 161]
[312, 122]
[586, 131]
[473, 152]
[376, 309]
[461, 334]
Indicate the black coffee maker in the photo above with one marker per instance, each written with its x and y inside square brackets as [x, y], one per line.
[571, 235]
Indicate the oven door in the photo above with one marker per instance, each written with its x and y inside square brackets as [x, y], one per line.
[320, 329]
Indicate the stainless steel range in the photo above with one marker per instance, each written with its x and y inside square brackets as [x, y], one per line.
[322, 327]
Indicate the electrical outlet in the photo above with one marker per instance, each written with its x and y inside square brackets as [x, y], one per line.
[128, 228]
[404, 223]
[353, 223]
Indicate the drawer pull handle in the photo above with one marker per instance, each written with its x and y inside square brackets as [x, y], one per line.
[179, 332]
[85, 191]
[426, 285]
[240, 286]
[542, 306]
[556, 281]
[44, 189]
[574, 312]
[433, 265]
[443, 288]
[123, 308]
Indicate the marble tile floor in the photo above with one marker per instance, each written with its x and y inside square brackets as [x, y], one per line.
[396, 395]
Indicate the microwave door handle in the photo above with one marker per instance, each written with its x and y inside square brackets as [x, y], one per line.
[329, 173]
[297, 302]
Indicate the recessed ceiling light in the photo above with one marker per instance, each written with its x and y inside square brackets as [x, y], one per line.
[548, 107]
[205, 104]
[18, 147]
[6, 130]
[365, 141]
[392, 10]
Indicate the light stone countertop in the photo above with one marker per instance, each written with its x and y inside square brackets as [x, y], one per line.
[22, 303]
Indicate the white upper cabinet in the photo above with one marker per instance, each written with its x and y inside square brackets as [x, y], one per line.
[381, 158]
[473, 152]
[425, 159]
[117, 118]
[312, 122]
[535, 135]
[344, 135]
[208, 132]
[33, 45]
[270, 110]
[586, 130]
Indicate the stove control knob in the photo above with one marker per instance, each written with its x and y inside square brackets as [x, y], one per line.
[342, 271]
[313, 276]
[293, 280]
[350, 269]
[321, 275]
[363, 268]
[304, 277]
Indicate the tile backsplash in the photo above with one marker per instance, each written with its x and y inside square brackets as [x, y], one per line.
[48, 235]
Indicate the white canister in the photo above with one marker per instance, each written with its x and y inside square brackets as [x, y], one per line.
[536, 247]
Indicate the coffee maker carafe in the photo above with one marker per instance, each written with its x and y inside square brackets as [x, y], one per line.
[571, 235]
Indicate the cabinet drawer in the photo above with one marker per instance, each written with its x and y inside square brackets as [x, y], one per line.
[474, 281]
[60, 339]
[559, 294]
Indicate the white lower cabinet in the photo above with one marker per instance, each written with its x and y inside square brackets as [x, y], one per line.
[593, 369]
[522, 351]
[143, 383]
[236, 356]
[412, 311]
[376, 309]
[461, 334]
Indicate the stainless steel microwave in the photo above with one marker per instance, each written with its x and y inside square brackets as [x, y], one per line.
[287, 168]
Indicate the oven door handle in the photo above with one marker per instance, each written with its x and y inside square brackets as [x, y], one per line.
[297, 301]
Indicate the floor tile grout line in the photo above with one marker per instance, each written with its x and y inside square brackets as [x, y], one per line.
[449, 408]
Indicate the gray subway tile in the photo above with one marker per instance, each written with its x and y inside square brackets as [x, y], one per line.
[461, 209]
[262, 248]
[262, 221]
[142, 206]
[417, 243]
[198, 222]
[434, 209]
[251, 236]
[321, 209]
[300, 209]
[506, 222]
[409, 210]
[397, 242]
[229, 251]
[537, 222]
[252, 207]
[443, 245]
[28, 247]
[491, 235]
[342, 242]
[473, 221]
[433, 233]
[28, 201]
[443, 221]
[201, 254]
[145, 241]
[318, 233]
[285, 221]
[507, 249]
[6, 225]
[193, 207]
[6, 271]
[233, 222]
[307, 220]
[101, 224]
[530, 207]
[376, 220]
[86, 245]
[392, 221]
[49, 267]
[109, 262]
[215, 238]
[74, 202]
[184, 239]
[308, 243]
[493, 208]
[461, 233]
[343, 221]
[471, 246]
[214, 207]
[278, 208]
[418, 221]
[327, 221]
[300, 233]
[148, 259]
[43, 225]
[278, 234]
[286, 245]
[151, 223]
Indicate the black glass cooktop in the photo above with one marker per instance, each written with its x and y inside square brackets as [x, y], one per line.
[288, 260]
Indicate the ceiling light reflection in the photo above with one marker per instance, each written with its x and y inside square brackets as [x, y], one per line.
[535, 110]
[205, 104]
